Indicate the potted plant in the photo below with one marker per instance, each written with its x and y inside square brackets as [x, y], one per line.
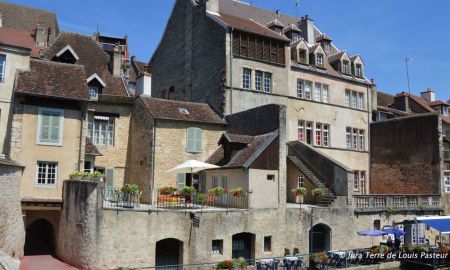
[240, 263]
[227, 264]
[86, 176]
[96, 176]
[318, 192]
[131, 194]
[318, 260]
[201, 198]
[217, 191]
[299, 194]
[187, 191]
[238, 192]
[167, 190]
[76, 175]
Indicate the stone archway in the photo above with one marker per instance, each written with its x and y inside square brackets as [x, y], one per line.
[169, 253]
[319, 238]
[40, 238]
[243, 245]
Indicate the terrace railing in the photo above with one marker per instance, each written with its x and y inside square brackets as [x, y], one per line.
[370, 203]
[114, 198]
[195, 201]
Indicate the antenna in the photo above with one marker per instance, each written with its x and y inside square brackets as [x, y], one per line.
[297, 6]
[407, 73]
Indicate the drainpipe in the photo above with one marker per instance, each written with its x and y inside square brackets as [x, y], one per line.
[81, 139]
[231, 70]
[369, 112]
[152, 185]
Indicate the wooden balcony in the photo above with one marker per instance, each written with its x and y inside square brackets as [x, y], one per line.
[393, 203]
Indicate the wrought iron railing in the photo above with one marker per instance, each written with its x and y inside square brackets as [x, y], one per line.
[115, 198]
[397, 202]
[197, 201]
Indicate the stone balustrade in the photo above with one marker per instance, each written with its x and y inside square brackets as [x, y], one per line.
[371, 203]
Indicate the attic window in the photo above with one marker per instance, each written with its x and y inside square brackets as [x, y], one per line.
[302, 56]
[358, 70]
[345, 67]
[319, 60]
[183, 110]
[66, 55]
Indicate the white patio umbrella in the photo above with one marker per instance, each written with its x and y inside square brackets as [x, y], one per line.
[192, 166]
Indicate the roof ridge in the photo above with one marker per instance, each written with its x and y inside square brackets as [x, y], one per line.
[175, 101]
[44, 61]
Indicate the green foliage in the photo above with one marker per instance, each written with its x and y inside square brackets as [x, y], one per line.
[238, 192]
[167, 190]
[131, 189]
[217, 191]
[202, 197]
[318, 192]
[187, 190]
[76, 174]
[299, 191]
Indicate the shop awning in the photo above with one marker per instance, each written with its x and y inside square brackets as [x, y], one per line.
[440, 223]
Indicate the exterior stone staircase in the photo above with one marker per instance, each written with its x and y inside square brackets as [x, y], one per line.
[329, 197]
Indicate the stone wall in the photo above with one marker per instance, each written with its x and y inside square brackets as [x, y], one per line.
[12, 232]
[405, 155]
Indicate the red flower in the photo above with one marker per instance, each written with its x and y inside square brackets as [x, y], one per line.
[225, 190]
[228, 263]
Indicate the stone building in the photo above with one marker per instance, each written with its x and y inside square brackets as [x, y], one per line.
[164, 134]
[235, 56]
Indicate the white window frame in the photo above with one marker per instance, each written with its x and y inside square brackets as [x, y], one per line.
[91, 135]
[308, 86]
[356, 180]
[268, 82]
[358, 70]
[317, 91]
[347, 98]
[301, 180]
[93, 95]
[345, 66]
[309, 128]
[348, 137]
[219, 250]
[300, 88]
[301, 130]
[318, 134]
[61, 126]
[325, 92]
[447, 181]
[246, 78]
[354, 98]
[40, 185]
[360, 102]
[3, 68]
[361, 140]
[259, 80]
[362, 179]
[326, 135]
[355, 135]
[319, 59]
[267, 249]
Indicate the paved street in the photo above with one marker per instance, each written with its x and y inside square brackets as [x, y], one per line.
[43, 262]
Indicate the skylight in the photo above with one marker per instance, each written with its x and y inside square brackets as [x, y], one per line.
[183, 110]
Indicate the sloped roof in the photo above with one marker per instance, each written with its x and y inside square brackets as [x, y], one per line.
[91, 149]
[53, 79]
[92, 57]
[27, 18]
[323, 37]
[439, 102]
[19, 38]
[337, 56]
[425, 104]
[384, 99]
[244, 157]
[170, 110]
[136, 67]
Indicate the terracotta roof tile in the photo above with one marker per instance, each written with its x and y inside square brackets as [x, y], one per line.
[52, 79]
[438, 102]
[384, 99]
[91, 149]
[27, 18]
[249, 25]
[92, 57]
[170, 110]
[19, 38]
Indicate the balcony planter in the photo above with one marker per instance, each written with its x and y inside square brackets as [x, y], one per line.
[167, 190]
[96, 176]
[77, 175]
[299, 194]
[318, 192]
[86, 176]
[131, 195]
[238, 192]
[217, 191]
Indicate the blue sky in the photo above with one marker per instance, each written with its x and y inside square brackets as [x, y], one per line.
[384, 32]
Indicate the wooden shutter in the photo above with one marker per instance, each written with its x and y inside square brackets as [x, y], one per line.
[190, 140]
[202, 185]
[55, 126]
[259, 48]
[214, 181]
[109, 177]
[181, 181]
[236, 46]
[198, 140]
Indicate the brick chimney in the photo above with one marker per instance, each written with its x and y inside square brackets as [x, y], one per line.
[307, 27]
[429, 95]
[116, 62]
[144, 83]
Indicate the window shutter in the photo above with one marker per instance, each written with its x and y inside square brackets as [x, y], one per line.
[203, 182]
[181, 181]
[110, 177]
[55, 125]
[214, 181]
[190, 140]
[224, 179]
[198, 140]
[45, 128]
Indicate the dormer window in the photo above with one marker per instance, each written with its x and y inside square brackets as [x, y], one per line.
[276, 26]
[66, 55]
[295, 37]
[278, 30]
[358, 70]
[302, 56]
[326, 46]
[319, 60]
[445, 110]
[345, 67]
[93, 92]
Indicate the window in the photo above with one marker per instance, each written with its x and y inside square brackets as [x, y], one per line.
[217, 247]
[295, 37]
[358, 70]
[354, 95]
[214, 181]
[363, 182]
[302, 56]
[361, 140]
[101, 130]
[50, 126]
[246, 78]
[445, 111]
[47, 173]
[301, 131]
[2, 67]
[301, 180]
[318, 134]
[258, 80]
[319, 60]
[447, 181]
[355, 139]
[349, 137]
[325, 93]
[361, 101]
[345, 67]
[271, 177]
[309, 135]
[93, 92]
[88, 166]
[317, 89]
[299, 88]
[308, 86]
[267, 82]
[326, 135]
[224, 181]
[376, 224]
[194, 140]
[267, 243]
[347, 98]
[356, 180]
[183, 111]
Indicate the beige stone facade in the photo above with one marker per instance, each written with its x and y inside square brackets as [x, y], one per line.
[16, 59]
